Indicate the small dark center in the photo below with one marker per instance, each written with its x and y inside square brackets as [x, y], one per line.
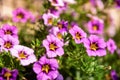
[20, 15]
[94, 46]
[7, 75]
[78, 36]
[53, 46]
[95, 27]
[45, 68]
[22, 55]
[8, 32]
[8, 45]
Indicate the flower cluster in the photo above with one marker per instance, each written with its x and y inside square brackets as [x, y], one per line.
[64, 40]
[22, 15]
[9, 43]
[47, 66]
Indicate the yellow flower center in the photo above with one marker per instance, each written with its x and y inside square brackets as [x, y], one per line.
[46, 68]
[93, 46]
[22, 55]
[8, 32]
[78, 36]
[20, 16]
[50, 21]
[7, 75]
[95, 28]
[8, 45]
[53, 46]
[59, 35]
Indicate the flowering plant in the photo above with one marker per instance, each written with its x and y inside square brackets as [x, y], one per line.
[66, 40]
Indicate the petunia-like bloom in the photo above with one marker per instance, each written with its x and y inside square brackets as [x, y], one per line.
[24, 54]
[57, 2]
[78, 34]
[53, 46]
[46, 69]
[111, 46]
[114, 75]
[20, 15]
[63, 25]
[49, 19]
[9, 30]
[7, 74]
[7, 42]
[95, 46]
[95, 26]
[56, 32]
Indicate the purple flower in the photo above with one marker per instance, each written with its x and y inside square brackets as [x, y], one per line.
[114, 75]
[49, 19]
[57, 33]
[95, 26]
[9, 30]
[111, 46]
[95, 46]
[24, 54]
[8, 42]
[20, 15]
[46, 68]
[78, 34]
[57, 2]
[7, 74]
[53, 46]
[63, 26]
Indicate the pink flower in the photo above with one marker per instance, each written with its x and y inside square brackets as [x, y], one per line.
[95, 46]
[95, 26]
[78, 34]
[111, 46]
[46, 69]
[53, 46]
[57, 33]
[49, 19]
[20, 15]
[7, 43]
[24, 54]
[9, 30]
